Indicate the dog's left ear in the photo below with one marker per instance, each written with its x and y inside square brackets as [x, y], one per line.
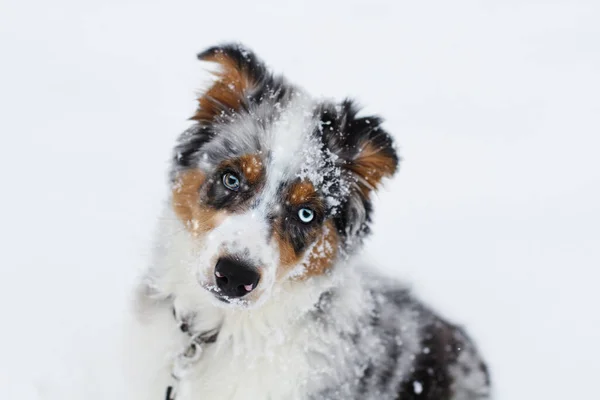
[365, 149]
[375, 156]
[365, 153]
[239, 76]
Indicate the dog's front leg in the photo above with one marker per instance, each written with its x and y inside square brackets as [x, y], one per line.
[151, 342]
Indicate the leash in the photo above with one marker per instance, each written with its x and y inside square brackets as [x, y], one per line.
[188, 357]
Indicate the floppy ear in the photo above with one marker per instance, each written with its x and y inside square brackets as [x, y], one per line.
[240, 74]
[375, 156]
[365, 149]
[365, 154]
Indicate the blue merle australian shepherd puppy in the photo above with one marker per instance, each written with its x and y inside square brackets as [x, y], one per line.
[254, 291]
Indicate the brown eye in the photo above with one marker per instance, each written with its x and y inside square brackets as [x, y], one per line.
[231, 182]
[306, 215]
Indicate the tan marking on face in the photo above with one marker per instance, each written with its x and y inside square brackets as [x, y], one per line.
[249, 165]
[287, 255]
[252, 168]
[321, 257]
[188, 207]
[301, 193]
[227, 93]
[323, 253]
[371, 166]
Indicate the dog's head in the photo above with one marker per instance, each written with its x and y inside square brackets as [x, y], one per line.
[271, 184]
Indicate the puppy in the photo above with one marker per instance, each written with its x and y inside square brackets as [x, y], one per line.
[255, 291]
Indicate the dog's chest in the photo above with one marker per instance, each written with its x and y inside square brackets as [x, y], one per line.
[259, 370]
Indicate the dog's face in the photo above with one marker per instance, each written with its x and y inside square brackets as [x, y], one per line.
[270, 184]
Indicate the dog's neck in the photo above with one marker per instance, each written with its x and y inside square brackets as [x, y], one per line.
[286, 308]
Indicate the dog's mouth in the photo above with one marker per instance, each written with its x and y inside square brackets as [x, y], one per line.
[218, 295]
[221, 298]
[225, 299]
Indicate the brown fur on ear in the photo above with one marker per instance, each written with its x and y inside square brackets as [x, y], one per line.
[239, 72]
[364, 148]
[372, 164]
[226, 94]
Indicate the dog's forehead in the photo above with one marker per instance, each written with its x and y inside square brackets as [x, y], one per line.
[285, 136]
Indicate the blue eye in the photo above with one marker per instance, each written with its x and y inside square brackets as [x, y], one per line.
[231, 182]
[306, 215]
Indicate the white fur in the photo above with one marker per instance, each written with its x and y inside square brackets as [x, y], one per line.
[269, 352]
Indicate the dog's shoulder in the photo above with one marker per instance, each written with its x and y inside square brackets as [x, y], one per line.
[448, 365]
[405, 350]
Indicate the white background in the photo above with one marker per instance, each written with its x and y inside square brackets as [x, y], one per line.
[493, 218]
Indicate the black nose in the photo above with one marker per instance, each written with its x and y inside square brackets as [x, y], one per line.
[235, 278]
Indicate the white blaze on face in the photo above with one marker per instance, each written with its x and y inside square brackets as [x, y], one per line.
[290, 143]
[244, 236]
[288, 148]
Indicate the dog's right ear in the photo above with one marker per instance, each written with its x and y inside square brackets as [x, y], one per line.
[240, 74]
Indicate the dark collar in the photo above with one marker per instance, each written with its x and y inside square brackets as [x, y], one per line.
[198, 340]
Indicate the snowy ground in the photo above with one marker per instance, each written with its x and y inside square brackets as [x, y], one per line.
[494, 217]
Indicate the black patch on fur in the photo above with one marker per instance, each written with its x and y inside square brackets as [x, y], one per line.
[300, 235]
[431, 367]
[185, 154]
